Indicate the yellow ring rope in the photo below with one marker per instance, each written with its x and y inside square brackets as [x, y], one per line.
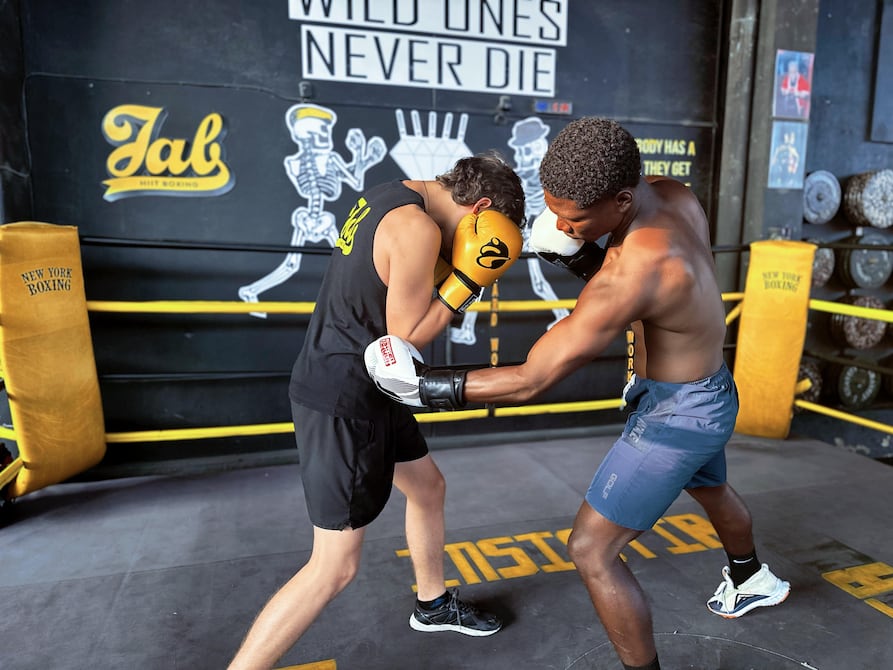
[837, 414]
[10, 471]
[229, 307]
[287, 427]
[851, 310]
[232, 307]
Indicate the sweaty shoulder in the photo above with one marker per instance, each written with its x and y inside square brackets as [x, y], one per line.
[683, 205]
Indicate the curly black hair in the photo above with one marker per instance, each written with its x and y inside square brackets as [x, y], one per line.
[486, 175]
[591, 158]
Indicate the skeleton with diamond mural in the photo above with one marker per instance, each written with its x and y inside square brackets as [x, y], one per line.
[317, 172]
[529, 143]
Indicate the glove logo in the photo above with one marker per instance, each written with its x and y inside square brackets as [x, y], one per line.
[494, 254]
[387, 352]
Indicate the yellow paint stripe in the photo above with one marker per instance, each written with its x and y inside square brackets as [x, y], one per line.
[317, 665]
[880, 606]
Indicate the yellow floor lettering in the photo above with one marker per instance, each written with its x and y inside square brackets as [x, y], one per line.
[863, 581]
[880, 606]
[538, 540]
[678, 546]
[318, 665]
[524, 565]
[644, 551]
[454, 551]
[697, 527]
[471, 557]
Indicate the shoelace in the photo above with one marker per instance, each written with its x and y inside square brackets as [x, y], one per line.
[459, 607]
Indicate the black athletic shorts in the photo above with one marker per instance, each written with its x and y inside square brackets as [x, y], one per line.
[347, 465]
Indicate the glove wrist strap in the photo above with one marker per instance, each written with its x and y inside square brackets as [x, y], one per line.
[584, 263]
[443, 388]
[458, 292]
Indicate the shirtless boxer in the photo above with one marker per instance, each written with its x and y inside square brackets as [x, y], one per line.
[656, 274]
[410, 256]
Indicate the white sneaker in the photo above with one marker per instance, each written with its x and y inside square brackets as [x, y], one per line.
[760, 590]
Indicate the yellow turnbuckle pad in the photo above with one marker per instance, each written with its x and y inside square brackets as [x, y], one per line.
[46, 355]
[771, 334]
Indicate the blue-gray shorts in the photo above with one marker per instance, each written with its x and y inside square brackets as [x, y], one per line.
[674, 439]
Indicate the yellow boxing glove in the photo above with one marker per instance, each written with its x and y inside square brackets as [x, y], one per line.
[484, 247]
[442, 270]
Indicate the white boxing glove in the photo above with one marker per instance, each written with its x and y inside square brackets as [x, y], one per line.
[391, 363]
[398, 371]
[582, 258]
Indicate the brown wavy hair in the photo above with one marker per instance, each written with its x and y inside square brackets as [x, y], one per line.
[486, 175]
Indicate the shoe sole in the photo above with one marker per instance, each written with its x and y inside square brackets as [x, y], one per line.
[415, 624]
[769, 601]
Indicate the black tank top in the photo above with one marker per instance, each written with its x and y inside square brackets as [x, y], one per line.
[329, 374]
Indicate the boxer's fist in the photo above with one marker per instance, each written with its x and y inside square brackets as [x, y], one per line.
[398, 370]
[394, 365]
[583, 259]
[484, 247]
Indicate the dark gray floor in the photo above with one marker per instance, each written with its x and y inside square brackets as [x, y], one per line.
[168, 572]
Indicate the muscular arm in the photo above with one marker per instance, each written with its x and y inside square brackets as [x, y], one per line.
[407, 243]
[610, 301]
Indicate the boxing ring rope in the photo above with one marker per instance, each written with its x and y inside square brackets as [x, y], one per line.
[851, 310]
[494, 307]
[231, 307]
[837, 414]
[9, 472]
[804, 385]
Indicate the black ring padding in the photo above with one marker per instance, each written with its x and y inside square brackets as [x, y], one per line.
[147, 378]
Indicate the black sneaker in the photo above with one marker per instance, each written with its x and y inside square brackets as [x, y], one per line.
[455, 615]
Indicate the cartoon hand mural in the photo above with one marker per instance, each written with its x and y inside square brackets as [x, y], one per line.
[425, 155]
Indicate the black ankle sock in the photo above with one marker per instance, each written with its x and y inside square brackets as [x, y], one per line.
[434, 604]
[741, 568]
[654, 665]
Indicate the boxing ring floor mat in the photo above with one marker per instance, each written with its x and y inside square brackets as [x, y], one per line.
[169, 571]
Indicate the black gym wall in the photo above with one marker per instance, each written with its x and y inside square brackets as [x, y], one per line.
[161, 218]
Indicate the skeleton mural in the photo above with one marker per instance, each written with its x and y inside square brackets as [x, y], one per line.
[317, 172]
[530, 144]
[424, 155]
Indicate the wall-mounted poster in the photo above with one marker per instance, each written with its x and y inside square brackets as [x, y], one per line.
[793, 84]
[788, 154]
